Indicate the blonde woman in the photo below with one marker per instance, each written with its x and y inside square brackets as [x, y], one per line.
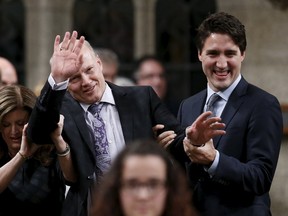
[30, 176]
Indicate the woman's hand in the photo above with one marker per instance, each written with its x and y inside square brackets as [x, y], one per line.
[63, 152]
[56, 136]
[27, 148]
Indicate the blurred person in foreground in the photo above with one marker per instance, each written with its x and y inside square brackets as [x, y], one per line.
[150, 71]
[143, 180]
[75, 87]
[110, 62]
[31, 182]
[8, 72]
[231, 174]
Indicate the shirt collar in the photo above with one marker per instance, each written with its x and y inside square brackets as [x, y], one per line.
[107, 97]
[226, 93]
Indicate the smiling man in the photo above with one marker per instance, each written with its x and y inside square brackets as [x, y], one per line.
[100, 117]
[232, 173]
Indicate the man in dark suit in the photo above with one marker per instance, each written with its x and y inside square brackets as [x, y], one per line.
[231, 174]
[129, 113]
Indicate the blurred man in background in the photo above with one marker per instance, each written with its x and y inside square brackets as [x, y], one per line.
[150, 71]
[110, 63]
[8, 72]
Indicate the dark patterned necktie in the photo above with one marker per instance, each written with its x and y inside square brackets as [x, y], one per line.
[213, 98]
[103, 160]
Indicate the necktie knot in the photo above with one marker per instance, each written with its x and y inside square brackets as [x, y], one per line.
[213, 98]
[95, 109]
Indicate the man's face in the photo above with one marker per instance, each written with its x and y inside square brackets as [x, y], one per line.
[221, 61]
[151, 73]
[88, 84]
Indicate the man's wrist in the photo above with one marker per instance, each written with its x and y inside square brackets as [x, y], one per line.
[199, 145]
[57, 86]
[194, 144]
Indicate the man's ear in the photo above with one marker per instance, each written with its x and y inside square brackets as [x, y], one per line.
[243, 56]
[199, 55]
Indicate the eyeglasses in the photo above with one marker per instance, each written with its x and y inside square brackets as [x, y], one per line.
[152, 187]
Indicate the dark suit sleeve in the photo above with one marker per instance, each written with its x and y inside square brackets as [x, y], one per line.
[163, 115]
[45, 115]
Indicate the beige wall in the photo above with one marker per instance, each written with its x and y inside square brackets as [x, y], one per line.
[44, 20]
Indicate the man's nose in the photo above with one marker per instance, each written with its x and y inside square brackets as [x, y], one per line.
[85, 79]
[221, 62]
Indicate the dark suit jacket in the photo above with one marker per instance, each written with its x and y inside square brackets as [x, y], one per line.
[139, 109]
[248, 153]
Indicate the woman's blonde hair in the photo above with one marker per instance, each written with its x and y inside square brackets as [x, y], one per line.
[17, 96]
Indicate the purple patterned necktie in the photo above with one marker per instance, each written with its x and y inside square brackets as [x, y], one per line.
[103, 160]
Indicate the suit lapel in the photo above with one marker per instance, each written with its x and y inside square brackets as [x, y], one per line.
[197, 106]
[77, 114]
[125, 110]
[234, 102]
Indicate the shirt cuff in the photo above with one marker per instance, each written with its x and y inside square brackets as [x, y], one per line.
[57, 86]
[211, 170]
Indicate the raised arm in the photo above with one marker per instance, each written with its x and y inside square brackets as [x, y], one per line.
[65, 62]
[66, 59]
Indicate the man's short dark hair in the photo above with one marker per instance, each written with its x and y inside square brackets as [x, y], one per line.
[222, 23]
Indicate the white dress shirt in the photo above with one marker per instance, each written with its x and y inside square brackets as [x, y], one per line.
[109, 114]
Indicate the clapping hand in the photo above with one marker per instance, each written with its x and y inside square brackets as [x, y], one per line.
[205, 154]
[204, 128]
[27, 148]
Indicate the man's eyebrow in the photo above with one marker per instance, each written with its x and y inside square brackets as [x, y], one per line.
[212, 51]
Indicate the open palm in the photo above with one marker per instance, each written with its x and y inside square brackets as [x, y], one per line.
[66, 59]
